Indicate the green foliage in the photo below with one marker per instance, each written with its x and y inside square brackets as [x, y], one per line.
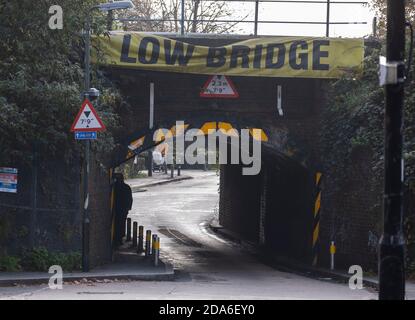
[4, 227]
[9, 264]
[41, 80]
[40, 259]
[133, 171]
[354, 119]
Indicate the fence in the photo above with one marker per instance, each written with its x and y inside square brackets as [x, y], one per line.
[256, 21]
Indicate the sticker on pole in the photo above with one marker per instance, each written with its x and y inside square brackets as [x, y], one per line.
[87, 119]
[219, 87]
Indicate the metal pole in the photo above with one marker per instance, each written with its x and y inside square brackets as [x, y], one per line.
[151, 117]
[86, 220]
[391, 253]
[33, 217]
[328, 19]
[256, 18]
[87, 51]
[150, 125]
[182, 18]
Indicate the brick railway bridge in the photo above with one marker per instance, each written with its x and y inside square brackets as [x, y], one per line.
[278, 208]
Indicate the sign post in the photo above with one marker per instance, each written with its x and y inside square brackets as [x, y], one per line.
[86, 125]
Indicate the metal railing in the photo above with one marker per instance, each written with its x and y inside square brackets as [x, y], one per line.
[256, 20]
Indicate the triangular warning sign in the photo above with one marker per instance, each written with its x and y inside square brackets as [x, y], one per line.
[87, 119]
[219, 87]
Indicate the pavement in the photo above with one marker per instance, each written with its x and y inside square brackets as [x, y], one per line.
[206, 264]
[158, 178]
[134, 267]
[141, 269]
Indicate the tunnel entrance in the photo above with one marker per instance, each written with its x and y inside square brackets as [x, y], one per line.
[271, 210]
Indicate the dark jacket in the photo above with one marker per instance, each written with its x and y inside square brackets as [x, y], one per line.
[123, 197]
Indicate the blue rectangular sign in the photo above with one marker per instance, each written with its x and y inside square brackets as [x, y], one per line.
[8, 180]
[85, 135]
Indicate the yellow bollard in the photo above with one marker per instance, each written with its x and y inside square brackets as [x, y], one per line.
[332, 253]
[148, 243]
[156, 247]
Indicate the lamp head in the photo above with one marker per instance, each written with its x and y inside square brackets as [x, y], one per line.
[116, 5]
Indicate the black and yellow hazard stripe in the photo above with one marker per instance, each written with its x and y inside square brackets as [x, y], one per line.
[316, 218]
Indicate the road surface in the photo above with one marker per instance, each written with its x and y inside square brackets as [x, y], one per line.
[208, 266]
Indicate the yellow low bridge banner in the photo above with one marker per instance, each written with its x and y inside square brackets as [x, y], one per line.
[304, 57]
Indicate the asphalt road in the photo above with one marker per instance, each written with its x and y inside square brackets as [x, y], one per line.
[209, 267]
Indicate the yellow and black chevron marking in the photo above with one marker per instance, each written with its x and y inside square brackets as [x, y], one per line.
[316, 220]
[159, 135]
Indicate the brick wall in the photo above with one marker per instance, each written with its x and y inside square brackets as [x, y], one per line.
[55, 224]
[239, 202]
[351, 213]
[100, 215]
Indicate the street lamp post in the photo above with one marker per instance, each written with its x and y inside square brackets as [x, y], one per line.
[87, 94]
[391, 253]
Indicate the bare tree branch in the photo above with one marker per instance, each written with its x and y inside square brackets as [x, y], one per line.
[200, 16]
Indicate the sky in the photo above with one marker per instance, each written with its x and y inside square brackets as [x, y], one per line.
[305, 12]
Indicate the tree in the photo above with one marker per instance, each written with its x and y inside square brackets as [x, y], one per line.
[164, 16]
[379, 6]
[41, 79]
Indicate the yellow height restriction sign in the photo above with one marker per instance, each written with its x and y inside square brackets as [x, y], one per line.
[305, 57]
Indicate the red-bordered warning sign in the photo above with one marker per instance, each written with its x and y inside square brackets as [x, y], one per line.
[219, 87]
[87, 119]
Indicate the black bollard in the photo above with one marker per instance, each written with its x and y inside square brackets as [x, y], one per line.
[128, 229]
[140, 239]
[135, 234]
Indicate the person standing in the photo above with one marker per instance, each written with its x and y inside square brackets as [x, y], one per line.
[122, 204]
